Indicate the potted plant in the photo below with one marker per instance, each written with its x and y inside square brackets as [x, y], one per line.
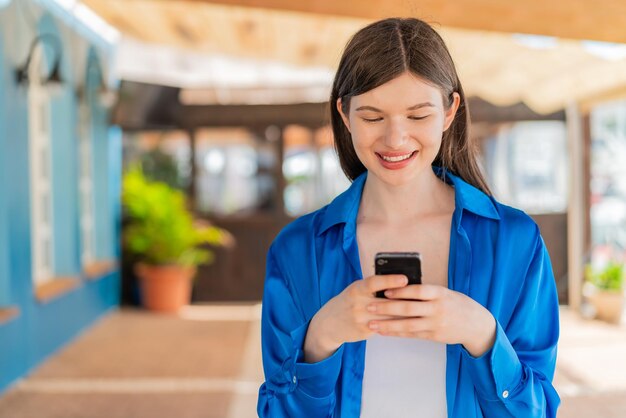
[160, 233]
[606, 290]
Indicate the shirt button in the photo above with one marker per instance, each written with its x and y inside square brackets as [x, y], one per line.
[294, 380]
[505, 394]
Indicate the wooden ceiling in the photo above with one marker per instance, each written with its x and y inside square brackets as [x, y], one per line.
[602, 20]
[289, 37]
[305, 33]
[492, 65]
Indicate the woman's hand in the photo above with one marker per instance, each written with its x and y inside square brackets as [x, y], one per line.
[345, 317]
[435, 313]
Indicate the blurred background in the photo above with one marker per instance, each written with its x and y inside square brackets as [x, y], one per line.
[141, 133]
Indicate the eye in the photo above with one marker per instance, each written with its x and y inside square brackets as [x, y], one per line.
[417, 118]
[372, 120]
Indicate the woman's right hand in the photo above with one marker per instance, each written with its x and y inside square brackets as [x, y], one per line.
[345, 318]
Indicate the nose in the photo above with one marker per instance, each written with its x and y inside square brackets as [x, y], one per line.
[397, 134]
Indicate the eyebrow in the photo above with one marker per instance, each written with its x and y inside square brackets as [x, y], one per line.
[414, 107]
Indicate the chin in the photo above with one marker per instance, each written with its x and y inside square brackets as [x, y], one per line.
[396, 178]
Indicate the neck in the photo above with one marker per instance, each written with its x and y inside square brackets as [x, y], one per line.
[424, 196]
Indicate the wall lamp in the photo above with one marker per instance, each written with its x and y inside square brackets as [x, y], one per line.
[54, 77]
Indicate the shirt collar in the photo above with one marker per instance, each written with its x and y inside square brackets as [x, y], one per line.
[343, 209]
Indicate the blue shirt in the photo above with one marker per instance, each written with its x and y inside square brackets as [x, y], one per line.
[497, 257]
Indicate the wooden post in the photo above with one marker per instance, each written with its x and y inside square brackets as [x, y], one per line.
[318, 185]
[576, 206]
[586, 185]
[274, 135]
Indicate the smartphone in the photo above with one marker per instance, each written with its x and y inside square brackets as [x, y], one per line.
[409, 264]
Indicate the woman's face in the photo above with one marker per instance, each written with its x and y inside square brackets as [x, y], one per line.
[397, 127]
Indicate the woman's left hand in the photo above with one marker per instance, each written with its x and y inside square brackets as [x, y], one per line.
[436, 313]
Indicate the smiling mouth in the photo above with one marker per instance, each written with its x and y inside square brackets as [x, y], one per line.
[397, 158]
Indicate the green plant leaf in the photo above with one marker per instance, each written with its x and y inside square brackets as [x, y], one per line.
[611, 277]
[158, 227]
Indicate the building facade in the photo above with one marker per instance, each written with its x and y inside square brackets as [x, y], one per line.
[59, 184]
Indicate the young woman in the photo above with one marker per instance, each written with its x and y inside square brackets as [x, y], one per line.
[478, 337]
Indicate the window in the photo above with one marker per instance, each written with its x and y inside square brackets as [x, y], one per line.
[608, 181]
[42, 244]
[232, 172]
[236, 169]
[163, 156]
[311, 169]
[526, 164]
[85, 174]
[95, 174]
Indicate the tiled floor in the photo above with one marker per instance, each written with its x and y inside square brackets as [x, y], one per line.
[207, 363]
[133, 364]
[591, 368]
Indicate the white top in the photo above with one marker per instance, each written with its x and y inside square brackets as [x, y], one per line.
[404, 377]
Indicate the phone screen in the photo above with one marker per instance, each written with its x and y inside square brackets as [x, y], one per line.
[406, 263]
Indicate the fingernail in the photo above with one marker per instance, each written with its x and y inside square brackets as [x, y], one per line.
[403, 281]
[373, 325]
[389, 293]
[371, 308]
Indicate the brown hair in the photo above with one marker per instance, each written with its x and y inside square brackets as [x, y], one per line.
[381, 52]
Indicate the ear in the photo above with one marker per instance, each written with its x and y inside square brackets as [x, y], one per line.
[451, 112]
[346, 121]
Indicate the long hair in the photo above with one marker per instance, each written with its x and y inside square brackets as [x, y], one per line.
[381, 52]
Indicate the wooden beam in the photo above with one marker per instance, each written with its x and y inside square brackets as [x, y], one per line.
[602, 20]
[313, 115]
[482, 111]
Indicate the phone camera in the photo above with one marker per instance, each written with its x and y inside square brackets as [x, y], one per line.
[382, 261]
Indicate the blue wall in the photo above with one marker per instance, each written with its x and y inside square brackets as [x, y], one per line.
[43, 328]
[5, 288]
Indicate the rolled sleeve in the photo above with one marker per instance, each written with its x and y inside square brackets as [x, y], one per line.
[315, 379]
[498, 371]
[514, 378]
[292, 387]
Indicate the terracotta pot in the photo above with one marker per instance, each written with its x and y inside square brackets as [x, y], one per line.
[609, 305]
[165, 288]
